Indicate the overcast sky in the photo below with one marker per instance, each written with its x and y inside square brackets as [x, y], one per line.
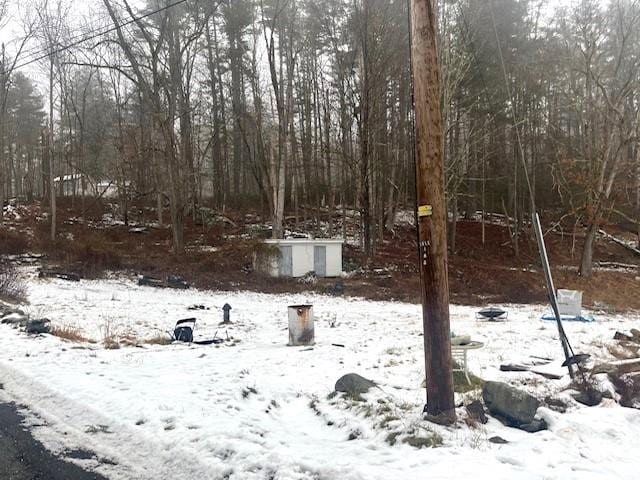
[84, 15]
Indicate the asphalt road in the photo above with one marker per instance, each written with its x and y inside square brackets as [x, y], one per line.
[24, 458]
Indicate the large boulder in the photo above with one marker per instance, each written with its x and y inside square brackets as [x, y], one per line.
[353, 384]
[514, 406]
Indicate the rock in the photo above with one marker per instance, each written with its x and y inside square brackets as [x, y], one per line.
[173, 281]
[443, 418]
[515, 406]
[590, 398]
[6, 309]
[556, 404]
[476, 411]
[353, 384]
[498, 440]
[535, 425]
[41, 325]
[15, 318]
[148, 281]
[622, 336]
[635, 334]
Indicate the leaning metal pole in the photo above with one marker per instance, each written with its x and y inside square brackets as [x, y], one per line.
[551, 291]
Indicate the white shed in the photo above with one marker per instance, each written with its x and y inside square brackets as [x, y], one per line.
[298, 256]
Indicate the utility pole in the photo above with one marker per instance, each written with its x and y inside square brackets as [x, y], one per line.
[432, 215]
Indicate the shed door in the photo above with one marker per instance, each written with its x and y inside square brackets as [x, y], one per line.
[320, 260]
[285, 267]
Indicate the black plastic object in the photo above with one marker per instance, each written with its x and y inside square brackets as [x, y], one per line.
[576, 359]
[184, 330]
[492, 313]
[226, 317]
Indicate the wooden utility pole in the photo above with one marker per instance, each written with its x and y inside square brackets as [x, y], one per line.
[432, 214]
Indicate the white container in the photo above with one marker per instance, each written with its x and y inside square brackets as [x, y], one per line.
[299, 256]
[570, 302]
[301, 325]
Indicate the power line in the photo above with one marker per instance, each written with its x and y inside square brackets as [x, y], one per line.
[36, 50]
[96, 35]
[513, 111]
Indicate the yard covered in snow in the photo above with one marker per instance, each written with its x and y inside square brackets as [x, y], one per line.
[253, 408]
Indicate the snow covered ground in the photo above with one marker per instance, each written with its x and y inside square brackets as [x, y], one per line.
[254, 408]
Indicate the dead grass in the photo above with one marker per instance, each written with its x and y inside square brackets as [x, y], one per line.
[68, 332]
[431, 440]
[158, 340]
[110, 339]
[111, 344]
[461, 385]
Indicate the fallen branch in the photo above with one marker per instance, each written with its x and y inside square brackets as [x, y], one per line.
[619, 367]
[72, 277]
[619, 242]
[624, 266]
[515, 367]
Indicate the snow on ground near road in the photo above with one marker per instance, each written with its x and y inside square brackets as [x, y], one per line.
[258, 409]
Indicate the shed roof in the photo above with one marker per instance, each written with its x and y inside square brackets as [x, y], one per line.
[303, 241]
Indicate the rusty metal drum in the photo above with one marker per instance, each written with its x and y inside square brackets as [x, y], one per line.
[301, 325]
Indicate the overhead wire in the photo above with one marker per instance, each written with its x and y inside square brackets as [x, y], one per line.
[37, 50]
[93, 36]
[513, 110]
[570, 357]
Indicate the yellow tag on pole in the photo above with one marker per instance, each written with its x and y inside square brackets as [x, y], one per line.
[425, 210]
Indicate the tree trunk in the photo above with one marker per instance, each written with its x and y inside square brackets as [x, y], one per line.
[52, 189]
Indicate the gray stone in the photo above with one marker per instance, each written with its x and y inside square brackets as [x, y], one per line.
[506, 402]
[557, 404]
[535, 425]
[498, 440]
[15, 318]
[443, 418]
[7, 309]
[353, 384]
[476, 411]
[591, 397]
[41, 325]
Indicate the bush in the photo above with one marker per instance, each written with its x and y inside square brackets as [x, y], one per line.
[12, 287]
[95, 257]
[264, 256]
[12, 243]
[89, 257]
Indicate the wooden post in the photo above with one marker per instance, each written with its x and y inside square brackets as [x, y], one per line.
[432, 214]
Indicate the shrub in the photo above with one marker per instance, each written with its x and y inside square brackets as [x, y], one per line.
[94, 257]
[264, 256]
[12, 243]
[12, 286]
[159, 340]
